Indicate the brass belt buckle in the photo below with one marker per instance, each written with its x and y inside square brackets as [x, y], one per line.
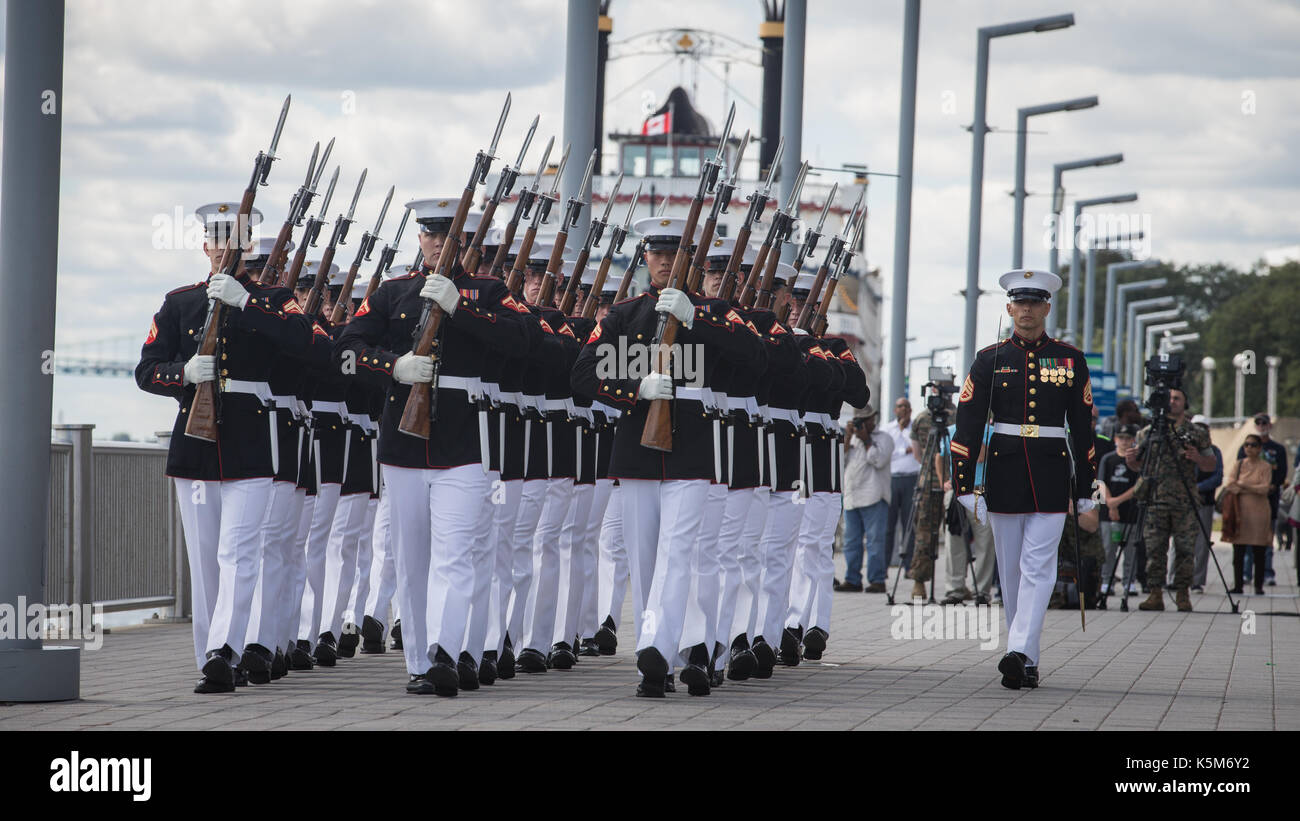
[1029, 431]
[225, 385]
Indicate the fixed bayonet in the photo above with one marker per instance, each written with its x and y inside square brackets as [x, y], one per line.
[279, 127]
[501, 124]
[528, 140]
[311, 165]
[352, 209]
[320, 169]
[329, 195]
[384, 212]
[793, 202]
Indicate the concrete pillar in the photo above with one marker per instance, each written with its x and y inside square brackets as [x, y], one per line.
[82, 510]
[1207, 386]
[903, 205]
[1273, 362]
[796, 17]
[580, 46]
[29, 246]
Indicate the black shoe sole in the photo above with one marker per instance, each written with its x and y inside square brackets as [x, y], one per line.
[654, 669]
[696, 679]
[743, 665]
[814, 644]
[259, 678]
[445, 680]
[420, 688]
[467, 677]
[372, 649]
[487, 672]
[1013, 672]
[606, 641]
[218, 672]
[530, 662]
[299, 660]
[589, 650]
[205, 687]
[561, 660]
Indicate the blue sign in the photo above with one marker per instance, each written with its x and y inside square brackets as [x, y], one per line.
[1105, 390]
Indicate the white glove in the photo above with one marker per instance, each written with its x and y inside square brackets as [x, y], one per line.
[677, 303]
[656, 386]
[200, 369]
[1083, 505]
[975, 505]
[411, 368]
[442, 291]
[228, 290]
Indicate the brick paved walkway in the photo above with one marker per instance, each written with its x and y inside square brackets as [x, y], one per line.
[1128, 671]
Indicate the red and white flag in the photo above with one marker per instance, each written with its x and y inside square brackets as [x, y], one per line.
[659, 124]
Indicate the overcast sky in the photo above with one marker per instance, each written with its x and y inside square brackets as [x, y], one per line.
[166, 103]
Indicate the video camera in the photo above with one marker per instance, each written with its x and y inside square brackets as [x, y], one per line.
[1164, 372]
[937, 392]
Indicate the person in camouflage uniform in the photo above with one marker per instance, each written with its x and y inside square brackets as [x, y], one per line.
[1092, 554]
[929, 511]
[1169, 490]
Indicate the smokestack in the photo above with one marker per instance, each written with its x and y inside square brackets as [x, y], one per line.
[604, 27]
[772, 34]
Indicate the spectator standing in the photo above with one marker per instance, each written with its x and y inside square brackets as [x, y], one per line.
[1120, 509]
[903, 470]
[1250, 478]
[867, 488]
[1207, 482]
[1275, 454]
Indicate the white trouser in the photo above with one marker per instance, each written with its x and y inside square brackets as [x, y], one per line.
[824, 590]
[365, 560]
[503, 534]
[777, 547]
[531, 500]
[222, 523]
[745, 620]
[701, 625]
[612, 568]
[730, 547]
[265, 626]
[383, 576]
[341, 560]
[1026, 545]
[539, 613]
[438, 525]
[662, 519]
[577, 568]
[480, 609]
[589, 615]
[808, 570]
[291, 607]
[318, 537]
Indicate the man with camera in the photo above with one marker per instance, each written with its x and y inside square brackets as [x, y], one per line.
[1168, 486]
[929, 511]
[867, 454]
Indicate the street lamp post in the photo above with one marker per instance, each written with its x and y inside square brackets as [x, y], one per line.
[1153, 332]
[1022, 139]
[1273, 362]
[1058, 204]
[1072, 320]
[1135, 343]
[1108, 316]
[1124, 320]
[978, 130]
[1207, 385]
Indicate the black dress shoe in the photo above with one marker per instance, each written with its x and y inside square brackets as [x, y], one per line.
[790, 646]
[1012, 668]
[606, 638]
[846, 587]
[814, 644]
[257, 661]
[765, 658]
[506, 667]
[279, 665]
[349, 640]
[589, 648]
[372, 635]
[241, 676]
[395, 636]
[327, 651]
[561, 657]
[487, 671]
[716, 678]
[742, 666]
[654, 671]
[300, 656]
[419, 686]
[444, 675]
[531, 661]
[696, 679]
[467, 672]
[218, 674]
[1031, 677]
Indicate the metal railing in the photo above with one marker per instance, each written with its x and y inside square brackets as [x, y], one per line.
[113, 536]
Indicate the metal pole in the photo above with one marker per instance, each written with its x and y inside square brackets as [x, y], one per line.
[1238, 405]
[1273, 362]
[796, 18]
[1207, 385]
[1135, 342]
[903, 203]
[1089, 298]
[1058, 202]
[1125, 320]
[1113, 290]
[978, 129]
[1022, 136]
[29, 246]
[581, 41]
[1072, 317]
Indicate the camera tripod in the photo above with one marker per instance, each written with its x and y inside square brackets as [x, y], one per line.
[1161, 437]
[936, 442]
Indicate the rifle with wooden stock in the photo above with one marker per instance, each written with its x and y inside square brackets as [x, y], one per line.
[616, 236]
[829, 263]
[541, 212]
[809, 244]
[364, 249]
[572, 211]
[819, 320]
[523, 207]
[769, 254]
[298, 206]
[757, 203]
[721, 200]
[421, 403]
[204, 413]
[386, 258]
[638, 256]
[594, 232]
[337, 237]
[658, 431]
[310, 231]
[505, 184]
